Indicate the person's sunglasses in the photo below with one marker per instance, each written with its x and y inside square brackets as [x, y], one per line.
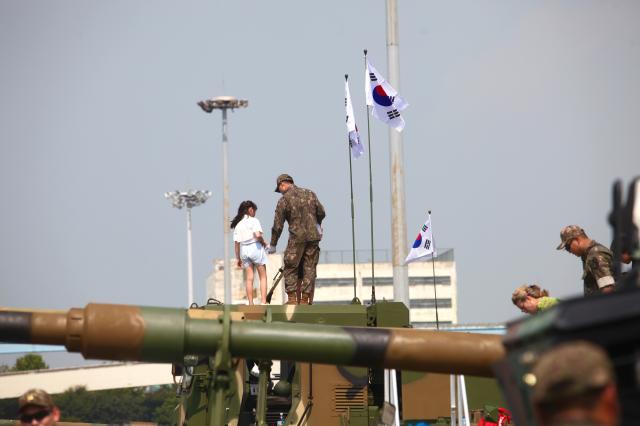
[28, 418]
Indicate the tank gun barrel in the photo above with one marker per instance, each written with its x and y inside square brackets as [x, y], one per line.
[151, 334]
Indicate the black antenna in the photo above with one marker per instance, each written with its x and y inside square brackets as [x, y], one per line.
[433, 264]
[355, 300]
[373, 273]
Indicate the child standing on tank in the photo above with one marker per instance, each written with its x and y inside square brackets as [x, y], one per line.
[250, 248]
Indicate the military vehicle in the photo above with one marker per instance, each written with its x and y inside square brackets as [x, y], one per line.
[208, 347]
[334, 356]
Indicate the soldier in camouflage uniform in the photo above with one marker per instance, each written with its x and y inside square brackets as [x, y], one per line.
[37, 408]
[304, 213]
[574, 384]
[597, 260]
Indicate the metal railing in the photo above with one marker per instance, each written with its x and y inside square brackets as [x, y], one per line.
[381, 255]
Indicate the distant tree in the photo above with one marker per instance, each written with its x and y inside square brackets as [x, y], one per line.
[164, 414]
[117, 406]
[4, 368]
[75, 404]
[9, 408]
[30, 362]
[160, 403]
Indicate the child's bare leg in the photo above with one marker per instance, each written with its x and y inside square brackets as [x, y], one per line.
[249, 284]
[262, 274]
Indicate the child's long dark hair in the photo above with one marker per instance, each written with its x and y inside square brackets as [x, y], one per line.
[242, 210]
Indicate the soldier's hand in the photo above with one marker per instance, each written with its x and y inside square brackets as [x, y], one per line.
[271, 249]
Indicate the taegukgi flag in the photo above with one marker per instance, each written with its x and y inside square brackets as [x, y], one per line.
[424, 245]
[384, 99]
[357, 149]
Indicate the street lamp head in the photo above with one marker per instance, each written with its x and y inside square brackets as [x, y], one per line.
[225, 99]
[188, 199]
[223, 102]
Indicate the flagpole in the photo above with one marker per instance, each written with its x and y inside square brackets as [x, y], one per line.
[373, 274]
[433, 264]
[396, 167]
[355, 299]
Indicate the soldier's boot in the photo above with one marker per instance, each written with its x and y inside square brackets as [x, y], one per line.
[292, 298]
[304, 299]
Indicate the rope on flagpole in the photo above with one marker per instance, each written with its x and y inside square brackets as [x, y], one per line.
[433, 264]
[373, 274]
[355, 300]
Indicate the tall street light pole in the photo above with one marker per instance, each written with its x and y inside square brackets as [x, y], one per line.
[224, 103]
[189, 200]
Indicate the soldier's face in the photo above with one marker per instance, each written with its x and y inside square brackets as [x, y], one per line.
[34, 415]
[283, 186]
[571, 247]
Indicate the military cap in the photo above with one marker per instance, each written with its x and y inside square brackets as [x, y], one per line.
[568, 233]
[283, 178]
[569, 370]
[36, 397]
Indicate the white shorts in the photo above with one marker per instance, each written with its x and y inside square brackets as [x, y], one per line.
[252, 254]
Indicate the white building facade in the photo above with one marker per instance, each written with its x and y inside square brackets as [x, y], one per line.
[431, 284]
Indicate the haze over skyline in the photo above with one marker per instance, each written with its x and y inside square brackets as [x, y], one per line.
[521, 116]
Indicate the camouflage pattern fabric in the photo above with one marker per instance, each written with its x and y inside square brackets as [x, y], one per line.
[302, 211]
[570, 369]
[568, 233]
[36, 397]
[597, 264]
[300, 261]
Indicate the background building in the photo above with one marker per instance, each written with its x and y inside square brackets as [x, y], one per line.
[334, 283]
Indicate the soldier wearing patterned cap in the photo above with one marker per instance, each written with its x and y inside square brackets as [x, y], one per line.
[574, 384]
[37, 408]
[597, 260]
[304, 213]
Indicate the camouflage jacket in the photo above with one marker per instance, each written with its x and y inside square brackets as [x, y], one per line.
[597, 264]
[302, 211]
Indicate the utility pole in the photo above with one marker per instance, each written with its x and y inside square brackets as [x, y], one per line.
[225, 103]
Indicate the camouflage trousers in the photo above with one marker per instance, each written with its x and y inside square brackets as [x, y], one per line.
[300, 260]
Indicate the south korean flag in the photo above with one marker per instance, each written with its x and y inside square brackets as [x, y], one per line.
[384, 99]
[357, 149]
[424, 245]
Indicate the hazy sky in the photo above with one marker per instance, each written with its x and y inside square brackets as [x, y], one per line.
[521, 116]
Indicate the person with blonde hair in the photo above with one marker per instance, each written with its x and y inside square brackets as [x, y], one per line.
[531, 299]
